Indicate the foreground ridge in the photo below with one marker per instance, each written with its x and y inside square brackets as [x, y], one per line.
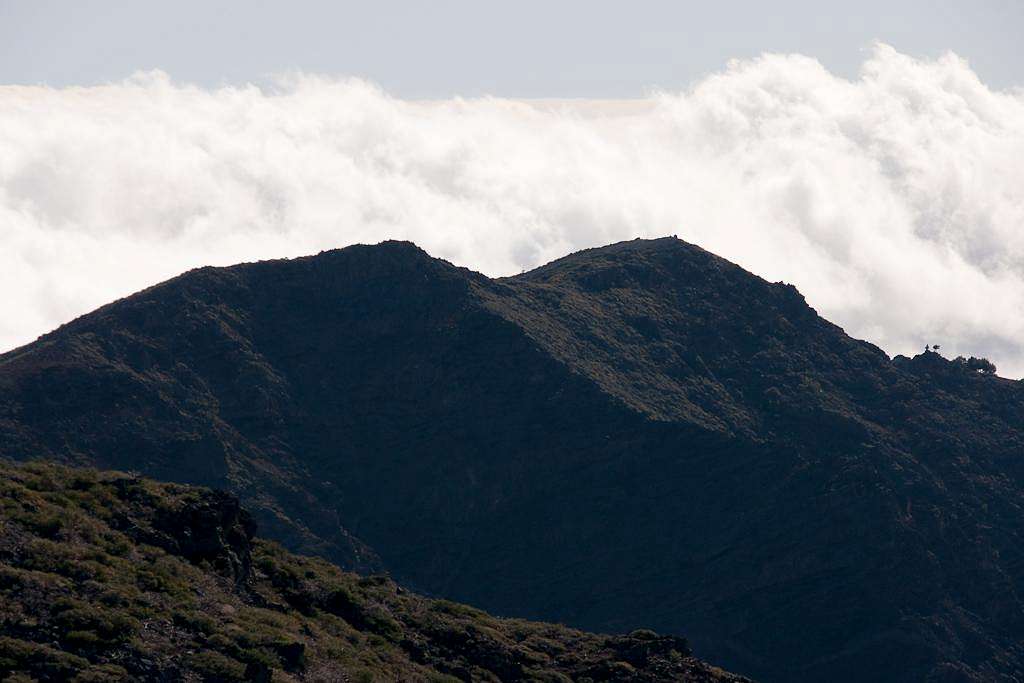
[106, 576]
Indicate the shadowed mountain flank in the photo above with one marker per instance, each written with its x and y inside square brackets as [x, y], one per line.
[638, 435]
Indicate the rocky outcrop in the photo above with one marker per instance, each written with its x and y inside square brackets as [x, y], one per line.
[215, 530]
[210, 528]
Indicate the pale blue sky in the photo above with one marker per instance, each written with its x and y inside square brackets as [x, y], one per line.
[517, 49]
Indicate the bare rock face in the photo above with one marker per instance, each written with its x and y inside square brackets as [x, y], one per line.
[216, 531]
[642, 435]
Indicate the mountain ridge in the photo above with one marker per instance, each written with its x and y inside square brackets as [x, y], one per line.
[637, 435]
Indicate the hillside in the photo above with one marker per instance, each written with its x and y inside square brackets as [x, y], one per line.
[108, 577]
[642, 435]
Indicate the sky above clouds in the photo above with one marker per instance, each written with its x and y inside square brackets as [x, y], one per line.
[883, 181]
[528, 48]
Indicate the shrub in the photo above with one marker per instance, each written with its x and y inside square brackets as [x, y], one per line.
[437, 677]
[213, 665]
[195, 622]
[18, 655]
[83, 639]
[982, 366]
[363, 676]
[47, 525]
[103, 673]
[643, 634]
[108, 626]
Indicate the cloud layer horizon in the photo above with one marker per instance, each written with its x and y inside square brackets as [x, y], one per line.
[894, 201]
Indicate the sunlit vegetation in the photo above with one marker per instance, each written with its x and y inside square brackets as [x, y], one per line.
[108, 577]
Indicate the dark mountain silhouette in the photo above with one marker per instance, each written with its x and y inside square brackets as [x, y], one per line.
[110, 577]
[642, 435]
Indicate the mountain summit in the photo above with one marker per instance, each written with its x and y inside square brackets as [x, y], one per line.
[638, 435]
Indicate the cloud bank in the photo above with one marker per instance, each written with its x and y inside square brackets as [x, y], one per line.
[894, 201]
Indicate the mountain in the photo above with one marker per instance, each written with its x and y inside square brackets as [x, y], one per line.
[105, 576]
[642, 435]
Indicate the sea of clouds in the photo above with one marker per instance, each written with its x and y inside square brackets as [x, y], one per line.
[894, 202]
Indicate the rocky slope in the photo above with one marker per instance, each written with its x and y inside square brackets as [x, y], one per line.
[642, 435]
[109, 577]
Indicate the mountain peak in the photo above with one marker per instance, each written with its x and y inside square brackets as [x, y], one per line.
[651, 252]
[659, 263]
[675, 331]
[395, 248]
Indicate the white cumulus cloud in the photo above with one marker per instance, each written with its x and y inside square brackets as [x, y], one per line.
[894, 201]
